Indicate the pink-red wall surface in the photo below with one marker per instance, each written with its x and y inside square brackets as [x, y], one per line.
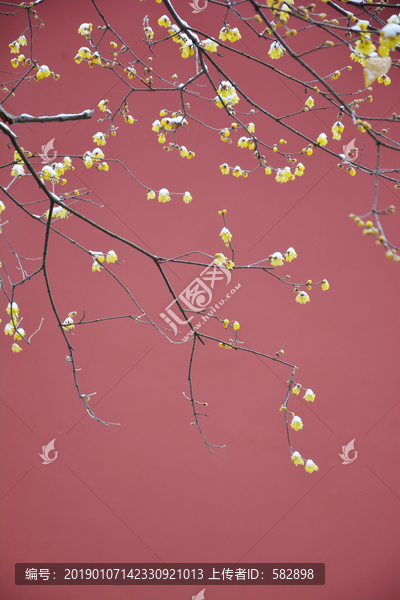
[148, 490]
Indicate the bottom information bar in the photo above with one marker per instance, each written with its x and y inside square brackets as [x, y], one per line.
[169, 573]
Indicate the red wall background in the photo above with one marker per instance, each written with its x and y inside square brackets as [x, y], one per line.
[149, 490]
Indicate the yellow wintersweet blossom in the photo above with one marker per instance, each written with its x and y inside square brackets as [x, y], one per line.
[85, 53]
[284, 14]
[209, 45]
[226, 323]
[19, 334]
[311, 466]
[296, 389]
[236, 326]
[85, 29]
[67, 163]
[322, 140]
[43, 71]
[302, 297]
[9, 329]
[299, 171]
[151, 195]
[224, 169]
[226, 235]
[291, 254]
[99, 138]
[68, 324]
[276, 50]
[98, 256]
[296, 459]
[22, 40]
[164, 21]
[296, 423]
[389, 38]
[95, 60]
[95, 266]
[309, 396]
[148, 32]
[97, 154]
[17, 171]
[237, 171]
[229, 265]
[187, 49]
[251, 128]
[325, 285]
[309, 102]
[268, 170]
[12, 309]
[87, 159]
[364, 46]
[16, 348]
[156, 126]
[2, 206]
[103, 105]
[14, 47]
[129, 119]
[276, 259]
[163, 195]
[187, 197]
[337, 130]
[131, 72]
[103, 167]
[111, 256]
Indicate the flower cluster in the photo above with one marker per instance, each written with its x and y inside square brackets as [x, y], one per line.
[12, 328]
[98, 257]
[95, 158]
[368, 228]
[222, 261]
[389, 38]
[297, 459]
[227, 33]
[227, 95]
[276, 259]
